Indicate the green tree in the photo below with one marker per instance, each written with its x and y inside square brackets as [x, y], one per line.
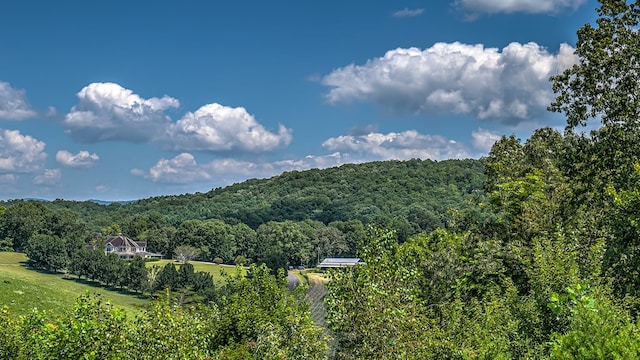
[161, 240]
[597, 328]
[374, 311]
[47, 252]
[331, 242]
[113, 229]
[186, 275]
[259, 309]
[168, 277]
[137, 274]
[603, 84]
[23, 220]
[110, 270]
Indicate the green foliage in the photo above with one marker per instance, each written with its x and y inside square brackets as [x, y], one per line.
[604, 82]
[279, 327]
[136, 276]
[47, 252]
[259, 309]
[597, 328]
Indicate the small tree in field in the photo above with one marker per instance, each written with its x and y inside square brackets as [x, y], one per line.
[186, 253]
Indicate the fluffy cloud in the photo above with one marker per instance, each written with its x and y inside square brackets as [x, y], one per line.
[509, 86]
[181, 169]
[512, 6]
[405, 145]
[216, 127]
[82, 159]
[107, 111]
[20, 153]
[13, 103]
[483, 139]
[406, 12]
[184, 169]
[49, 177]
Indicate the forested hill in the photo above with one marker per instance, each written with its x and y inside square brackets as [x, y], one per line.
[365, 192]
[414, 194]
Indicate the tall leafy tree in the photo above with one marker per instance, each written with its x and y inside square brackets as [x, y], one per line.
[47, 252]
[23, 220]
[604, 82]
[137, 274]
[603, 85]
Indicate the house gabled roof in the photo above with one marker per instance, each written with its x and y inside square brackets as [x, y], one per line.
[127, 248]
[123, 241]
[340, 262]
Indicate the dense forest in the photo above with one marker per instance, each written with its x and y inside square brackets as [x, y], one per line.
[292, 219]
[531, 253]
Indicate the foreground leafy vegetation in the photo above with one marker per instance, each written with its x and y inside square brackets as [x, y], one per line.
[553, 272]
[253, 317]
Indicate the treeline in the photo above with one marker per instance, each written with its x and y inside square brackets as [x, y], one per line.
[294, 219]
[110, 270]
[52, 237]
[254, 317]
[415, 194]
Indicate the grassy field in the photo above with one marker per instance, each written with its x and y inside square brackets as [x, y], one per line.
[214, 269]
[22, 289]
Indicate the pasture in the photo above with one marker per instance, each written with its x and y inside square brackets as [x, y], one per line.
[23, 289]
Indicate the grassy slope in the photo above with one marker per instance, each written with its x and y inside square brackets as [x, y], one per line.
[214, 269]
[22, 289]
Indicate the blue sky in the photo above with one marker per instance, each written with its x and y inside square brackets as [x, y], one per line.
[120, 100]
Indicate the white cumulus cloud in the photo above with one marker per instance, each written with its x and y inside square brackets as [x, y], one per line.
[20, 153]
[48, 177]
[509, 86]
[483, 139]
[82, 159]
[13, 103]
[512, 6]
[184, 169]
[107, 111]
[181, 169]
[398, 146]
[216, 127]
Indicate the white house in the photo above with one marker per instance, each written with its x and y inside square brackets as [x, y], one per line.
[126, 248]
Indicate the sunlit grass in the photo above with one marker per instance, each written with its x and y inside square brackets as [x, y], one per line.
[215, 270]
[23, 289]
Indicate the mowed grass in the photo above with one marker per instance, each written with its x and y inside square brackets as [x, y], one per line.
[23, 289]
[215, 270]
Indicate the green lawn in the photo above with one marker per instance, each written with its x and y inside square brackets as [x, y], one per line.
[22, 289]
[214, 269]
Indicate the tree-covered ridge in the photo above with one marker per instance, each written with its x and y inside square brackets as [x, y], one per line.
[419, 189]
[293, 219]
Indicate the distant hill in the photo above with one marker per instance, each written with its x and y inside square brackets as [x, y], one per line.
[107, 202]
[415, 192]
